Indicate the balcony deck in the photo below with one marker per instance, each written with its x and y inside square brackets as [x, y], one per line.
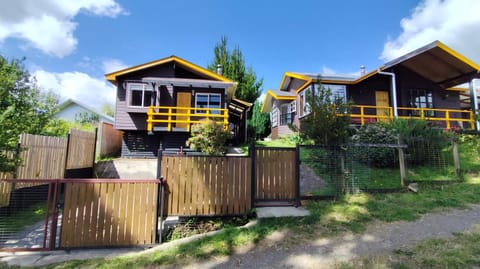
[180, 119]
[448, 117]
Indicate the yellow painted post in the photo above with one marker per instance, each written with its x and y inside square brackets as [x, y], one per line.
[169, 124]
[447, 118]
[225, 119]
[472, 121]
[362, 112]
[422, 114]
[189, 113]
[390, 112]
[149, 119]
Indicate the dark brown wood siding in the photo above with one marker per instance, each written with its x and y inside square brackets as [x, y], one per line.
[135, 119]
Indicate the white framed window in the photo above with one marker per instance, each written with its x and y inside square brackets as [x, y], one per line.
[304, 107]
[293, 106]
[337, 91]
[286, 116]
[140, 95]
[208, 100]
[274, 116]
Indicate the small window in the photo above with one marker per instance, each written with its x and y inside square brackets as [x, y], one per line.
[274, 117]
[140, 95]
[293, 106]
[421, 99]
[304, 107]
[208, 100]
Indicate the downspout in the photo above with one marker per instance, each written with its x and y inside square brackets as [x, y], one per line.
[393, 89]
[474, 102]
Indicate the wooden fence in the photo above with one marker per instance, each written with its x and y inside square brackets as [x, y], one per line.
[81, 149]
[276, 177]
[109, 213]
[206, 186]
[109, 140]
[43, 157]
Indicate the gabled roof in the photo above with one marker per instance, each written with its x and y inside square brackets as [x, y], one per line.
[277, 95]
[69, 102]
[439, 64]
[112, 77]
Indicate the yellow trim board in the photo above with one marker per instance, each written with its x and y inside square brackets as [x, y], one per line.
[293, 75]
[113, 76]
[458, 56]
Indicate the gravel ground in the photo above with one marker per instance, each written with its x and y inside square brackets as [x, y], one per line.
[379, 238]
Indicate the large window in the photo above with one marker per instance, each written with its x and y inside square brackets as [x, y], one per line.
[420, 98]
[208, 100]
[304, 107]
[140, 95]
[337, 91]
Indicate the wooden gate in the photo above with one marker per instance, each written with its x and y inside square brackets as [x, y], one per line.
[276, 176]
[106, 212]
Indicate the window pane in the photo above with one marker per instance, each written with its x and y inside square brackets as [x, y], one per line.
[147, 98]
[214, 103]
[136, 98]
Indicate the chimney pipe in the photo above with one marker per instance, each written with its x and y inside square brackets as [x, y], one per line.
[362, 70]
[219, 69]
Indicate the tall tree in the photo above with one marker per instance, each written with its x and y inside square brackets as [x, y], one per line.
[234, 68]
[23, 108]
[259, 124]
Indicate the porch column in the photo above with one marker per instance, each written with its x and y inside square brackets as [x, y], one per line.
[474, 101]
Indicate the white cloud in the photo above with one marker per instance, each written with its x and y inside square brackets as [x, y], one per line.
[453, 22]
[327, 71]
[76, 85]
[48, 24]
[112, 65]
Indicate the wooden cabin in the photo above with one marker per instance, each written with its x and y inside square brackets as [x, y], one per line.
[158, 102]
[421, 84]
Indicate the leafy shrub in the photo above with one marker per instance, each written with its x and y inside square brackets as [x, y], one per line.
[422, 139]
[209, 137]
[376, 134]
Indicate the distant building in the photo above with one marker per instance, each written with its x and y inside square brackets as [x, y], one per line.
[72, 110]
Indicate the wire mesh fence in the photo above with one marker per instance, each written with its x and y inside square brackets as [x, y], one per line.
[330, 171]
[26, 218]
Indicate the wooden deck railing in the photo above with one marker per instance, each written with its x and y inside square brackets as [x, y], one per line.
[170, 116]
[368, 114]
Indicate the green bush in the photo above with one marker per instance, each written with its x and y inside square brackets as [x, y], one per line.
[209, 137]
[376, 134]
[423, 141]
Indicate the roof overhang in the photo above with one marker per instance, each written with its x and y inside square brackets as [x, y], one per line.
[237, 109]
[272, 95]
[200, 83]
[439, 64]
[112, 77]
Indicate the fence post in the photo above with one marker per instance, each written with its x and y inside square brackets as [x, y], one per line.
[456, 157]
[297, 175]
[66, 155]
[253, 157]
[401, 162]
[160, 195]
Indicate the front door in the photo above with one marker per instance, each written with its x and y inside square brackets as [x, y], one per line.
[381, 100]
[183, 100]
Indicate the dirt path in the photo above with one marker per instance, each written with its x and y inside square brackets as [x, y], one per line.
[377, 239]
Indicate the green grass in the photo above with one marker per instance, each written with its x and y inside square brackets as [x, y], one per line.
[19, 220]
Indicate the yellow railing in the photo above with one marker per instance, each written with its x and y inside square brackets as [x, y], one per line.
[184, 117]
[366, 114]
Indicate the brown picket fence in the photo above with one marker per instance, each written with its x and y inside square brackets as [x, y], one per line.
[106, 212]
[276, 179]
[206, 186]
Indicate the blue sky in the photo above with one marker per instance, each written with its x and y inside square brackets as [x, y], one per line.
[70, 45]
